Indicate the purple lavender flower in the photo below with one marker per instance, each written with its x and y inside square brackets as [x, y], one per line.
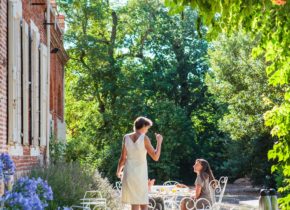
[31, 193]
[15, 200]
[1, 169]
[8, 164]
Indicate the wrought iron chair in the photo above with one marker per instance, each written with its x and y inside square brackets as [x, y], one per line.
[217, 189]
[152, 203]
[118, 188]
[92, 200]
[168, 183]
[199, 204]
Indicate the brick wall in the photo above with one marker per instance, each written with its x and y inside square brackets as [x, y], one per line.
[3, 75]
[36, 14]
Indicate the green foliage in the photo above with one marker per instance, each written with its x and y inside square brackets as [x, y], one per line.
[131, 61]
[279, 119]
[239, 81]
[70, 181]
[57, 150]
[269, 20]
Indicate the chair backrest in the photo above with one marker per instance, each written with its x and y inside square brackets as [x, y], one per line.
[167, 183]
[118, 186]
[192, 204]
[93, 194]
[217, 189]
[152, 203]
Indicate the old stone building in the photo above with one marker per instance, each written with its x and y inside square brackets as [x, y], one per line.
[32, 59]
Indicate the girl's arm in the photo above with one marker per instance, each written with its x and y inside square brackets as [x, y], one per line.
[197, 191]
[122, 160]
[154, 153]
[181, 186]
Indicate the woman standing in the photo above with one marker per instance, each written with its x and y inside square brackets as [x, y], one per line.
[133, 160]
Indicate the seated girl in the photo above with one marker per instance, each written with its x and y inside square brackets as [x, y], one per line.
[204, 177]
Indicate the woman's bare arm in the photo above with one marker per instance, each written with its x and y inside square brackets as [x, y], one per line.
[154, 153]
[122, 160]
[181, 186]
[197, 191]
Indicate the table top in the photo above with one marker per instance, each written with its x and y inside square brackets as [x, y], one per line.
[170, 190]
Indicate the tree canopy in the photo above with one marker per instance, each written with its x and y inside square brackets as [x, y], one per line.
[270, 20]
[210, 95]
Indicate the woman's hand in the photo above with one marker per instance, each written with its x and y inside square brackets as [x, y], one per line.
[159, 138]
[154, 153]
[119, 174]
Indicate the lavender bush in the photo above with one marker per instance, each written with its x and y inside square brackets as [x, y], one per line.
[70, 181]
[26, 193]
[7, 165]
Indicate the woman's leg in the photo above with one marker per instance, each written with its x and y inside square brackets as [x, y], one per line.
[135, 207]
[144, 207]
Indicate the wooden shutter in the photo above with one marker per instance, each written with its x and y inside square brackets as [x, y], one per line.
[35, 83]
[25, 81]
[14, 71]
[44, 94]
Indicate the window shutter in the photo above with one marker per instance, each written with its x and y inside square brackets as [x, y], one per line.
[44, 94]
[14, 71]
[35, 83]
[25, 53]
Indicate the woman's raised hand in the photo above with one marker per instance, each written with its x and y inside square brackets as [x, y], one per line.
[119, 174]
[159, 138]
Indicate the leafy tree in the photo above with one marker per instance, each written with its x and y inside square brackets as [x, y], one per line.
[267, 18]
[239, 81]
[130, 61]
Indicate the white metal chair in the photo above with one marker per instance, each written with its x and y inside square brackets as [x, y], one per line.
[152, 203]
[167, 183]
[199, 204]
[92, 200]
[118, 188]
[170, 202]
[217, 189]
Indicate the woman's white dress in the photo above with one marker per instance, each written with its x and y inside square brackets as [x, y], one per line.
[135, 175]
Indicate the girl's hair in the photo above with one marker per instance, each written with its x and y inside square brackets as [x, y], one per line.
[206, 171]
[141, 122]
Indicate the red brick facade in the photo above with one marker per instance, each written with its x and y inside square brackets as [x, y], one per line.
[3, 76]
[35, 13]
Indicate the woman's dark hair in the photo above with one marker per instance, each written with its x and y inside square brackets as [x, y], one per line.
[141, 122]
[206, 171]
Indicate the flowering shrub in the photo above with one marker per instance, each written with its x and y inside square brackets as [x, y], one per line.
[7, 165]
[16, 200]
[28, 194]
